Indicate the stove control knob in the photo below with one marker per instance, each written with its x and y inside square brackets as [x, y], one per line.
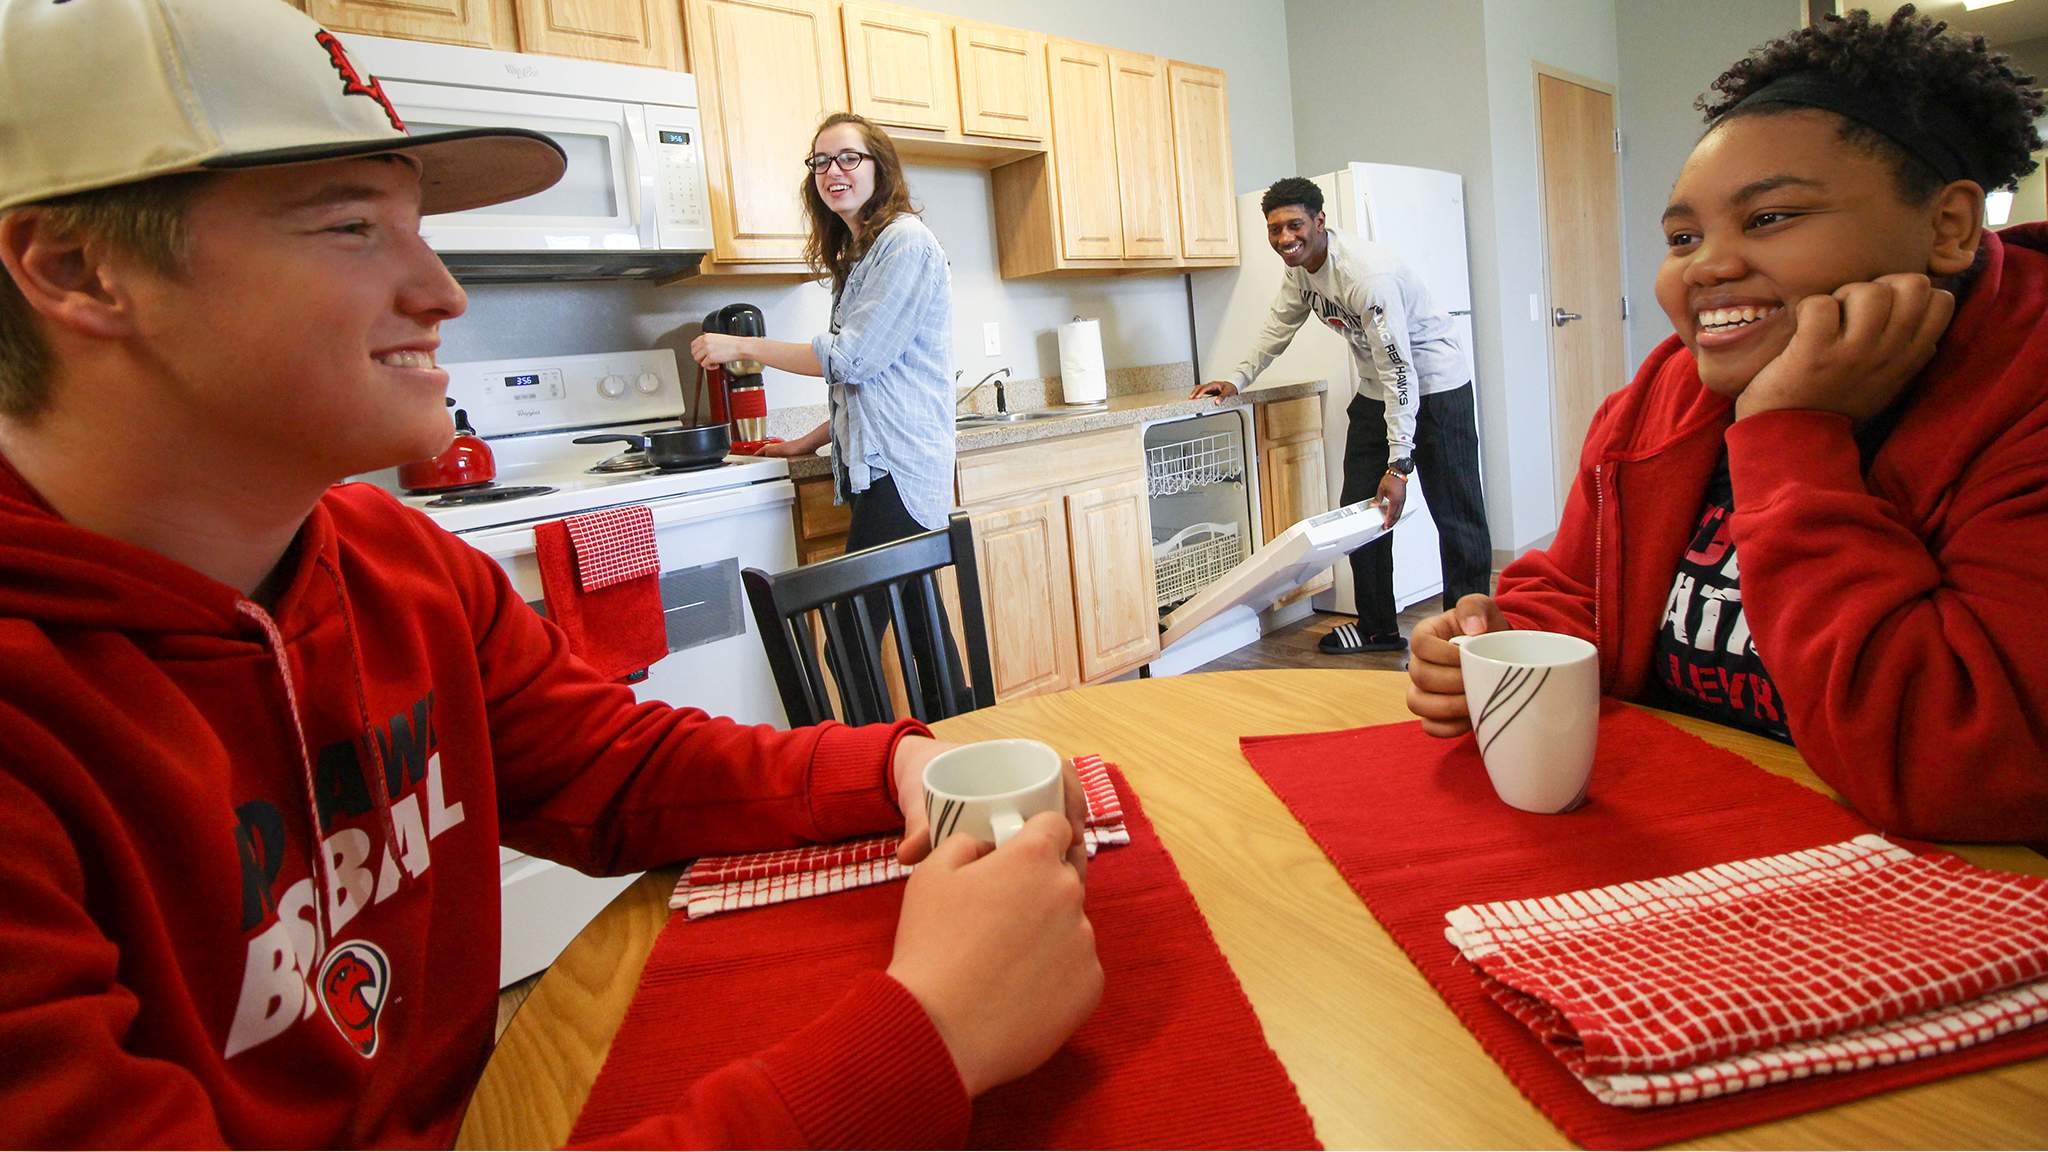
[648, 383]
[613, 386]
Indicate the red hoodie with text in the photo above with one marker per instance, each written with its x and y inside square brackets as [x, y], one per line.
[182, 966]
[1903, 613]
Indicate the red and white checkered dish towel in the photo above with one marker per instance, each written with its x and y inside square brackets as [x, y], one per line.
[613, 546]
[1745, 974]
[714, 884]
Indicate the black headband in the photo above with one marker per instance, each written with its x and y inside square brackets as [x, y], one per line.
[1940, 138]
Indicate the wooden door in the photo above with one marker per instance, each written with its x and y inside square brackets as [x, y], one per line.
[644, 32]
[1201, 161]
[767, 72]
[1115, 599]
[466, 22]
[1293, 480]
[899, 66]
[1084, 152]
[1002, 82]
[1144, 155]
[1582, 231]
[1026, 597]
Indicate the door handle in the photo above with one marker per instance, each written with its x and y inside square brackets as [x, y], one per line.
[1559, 317]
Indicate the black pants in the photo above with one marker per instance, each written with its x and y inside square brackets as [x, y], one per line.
[1447, 457]
[879, 517]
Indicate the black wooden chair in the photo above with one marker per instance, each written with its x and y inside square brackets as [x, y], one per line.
[854, 597]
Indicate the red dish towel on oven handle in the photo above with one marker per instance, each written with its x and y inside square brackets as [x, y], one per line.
[601, 578]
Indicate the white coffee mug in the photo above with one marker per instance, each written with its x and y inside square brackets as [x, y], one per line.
[988, 790]
[1534, 699]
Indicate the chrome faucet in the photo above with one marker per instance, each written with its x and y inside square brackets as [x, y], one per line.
[997, 377]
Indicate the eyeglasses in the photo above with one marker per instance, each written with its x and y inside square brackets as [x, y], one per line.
[847, 161]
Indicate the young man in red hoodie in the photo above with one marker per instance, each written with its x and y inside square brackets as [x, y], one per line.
[260, 737]
[1856, 403]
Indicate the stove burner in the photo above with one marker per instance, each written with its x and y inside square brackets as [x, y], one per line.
[631, 461]
[704, 467]
[489, 495]
[471, 487]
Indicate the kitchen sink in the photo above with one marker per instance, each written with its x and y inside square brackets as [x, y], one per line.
[995, 419]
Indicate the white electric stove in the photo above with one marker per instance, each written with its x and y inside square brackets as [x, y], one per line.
[709, 524]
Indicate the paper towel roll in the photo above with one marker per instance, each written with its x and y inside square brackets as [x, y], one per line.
[1082, 380]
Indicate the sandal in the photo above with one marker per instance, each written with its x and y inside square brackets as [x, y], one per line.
[1347, 640]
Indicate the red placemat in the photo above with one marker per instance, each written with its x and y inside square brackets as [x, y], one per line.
[1173, 1058]
[1413, 825]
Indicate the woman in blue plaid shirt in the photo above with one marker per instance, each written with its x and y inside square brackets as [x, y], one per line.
[888, 357]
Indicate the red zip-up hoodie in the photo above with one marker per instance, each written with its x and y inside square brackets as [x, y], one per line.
[1903, 614]
[180, 965]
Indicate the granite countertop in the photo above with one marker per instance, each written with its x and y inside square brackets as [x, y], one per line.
[1124, 410]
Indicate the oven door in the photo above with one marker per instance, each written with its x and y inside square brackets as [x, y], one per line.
[600, 202]
[715, 662]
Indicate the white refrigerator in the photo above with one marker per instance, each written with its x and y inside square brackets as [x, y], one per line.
[1418, 212]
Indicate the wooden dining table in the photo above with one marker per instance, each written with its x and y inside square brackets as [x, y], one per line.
[1348, 1015]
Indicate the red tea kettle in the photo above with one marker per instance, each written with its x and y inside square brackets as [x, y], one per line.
[465, 463]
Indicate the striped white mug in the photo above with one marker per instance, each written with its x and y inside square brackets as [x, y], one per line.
[988, 790]
[1534, 699]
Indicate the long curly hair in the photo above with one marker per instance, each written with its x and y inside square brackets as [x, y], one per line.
[832, 248]
[1913, 62]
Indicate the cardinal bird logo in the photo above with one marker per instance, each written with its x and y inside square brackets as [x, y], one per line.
[353, 983]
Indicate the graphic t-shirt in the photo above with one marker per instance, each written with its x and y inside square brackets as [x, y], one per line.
[1706, 659]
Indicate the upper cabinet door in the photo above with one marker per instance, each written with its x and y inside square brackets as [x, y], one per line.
[1201, 159]
[767, 72]
[1002, 82]
[1084, 151]
[899, 66]
[1144, 155]
[466, 22]
[644, 32]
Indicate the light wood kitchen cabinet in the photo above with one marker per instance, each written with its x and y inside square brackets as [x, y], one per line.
[1146, 186]
[1138, 176]
[1090, 491]
[644, 32]
[899, 66]
[1001, 82]
[472, 23]
[767, 72]
[1293, 474]
[1201, 162]
[1084, 143]
[821, 525]
[1027, 596]
[1116, 611]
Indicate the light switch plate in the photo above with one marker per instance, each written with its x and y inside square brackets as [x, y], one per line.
[991, 339]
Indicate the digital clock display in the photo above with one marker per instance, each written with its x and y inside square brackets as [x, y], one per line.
[669, 136]
[525, 380]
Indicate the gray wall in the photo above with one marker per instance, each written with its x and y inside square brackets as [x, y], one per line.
[1145, 318]
[1670, 51]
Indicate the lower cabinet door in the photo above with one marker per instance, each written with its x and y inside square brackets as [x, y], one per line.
[1116, 613]
[1026, 596]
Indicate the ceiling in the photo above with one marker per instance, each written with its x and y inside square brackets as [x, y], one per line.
[2001, 24]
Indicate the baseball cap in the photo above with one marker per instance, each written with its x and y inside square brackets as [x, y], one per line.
[95, 93]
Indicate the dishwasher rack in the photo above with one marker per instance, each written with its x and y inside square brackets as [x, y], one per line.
[1194, 558]
[1197, 462]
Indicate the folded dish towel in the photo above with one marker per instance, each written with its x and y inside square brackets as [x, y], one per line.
[601, 577]
[714, 884]
[1744, 974]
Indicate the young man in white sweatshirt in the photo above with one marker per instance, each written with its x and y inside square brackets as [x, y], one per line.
[1414, 380]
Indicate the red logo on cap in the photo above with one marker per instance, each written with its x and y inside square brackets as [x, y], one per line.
[352, 81]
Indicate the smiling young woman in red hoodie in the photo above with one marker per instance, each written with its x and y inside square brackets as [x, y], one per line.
[1855, 404]
[261, 735]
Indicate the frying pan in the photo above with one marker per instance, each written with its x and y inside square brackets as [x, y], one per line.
[671, 449]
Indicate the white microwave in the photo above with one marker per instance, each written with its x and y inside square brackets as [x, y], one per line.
[633, 200]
